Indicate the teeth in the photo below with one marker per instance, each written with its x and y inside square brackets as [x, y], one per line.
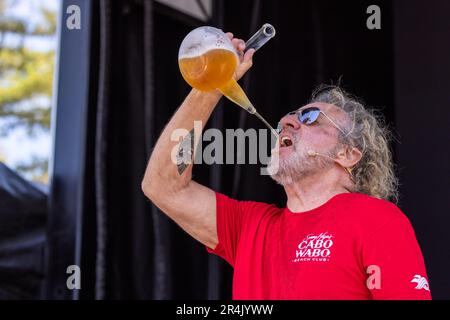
[286, 141]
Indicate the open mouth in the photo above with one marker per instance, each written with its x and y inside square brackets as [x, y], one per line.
[285, 141]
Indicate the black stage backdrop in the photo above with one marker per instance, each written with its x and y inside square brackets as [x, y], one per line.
[126, 247]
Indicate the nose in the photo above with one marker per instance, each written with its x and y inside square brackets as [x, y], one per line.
[290, 120]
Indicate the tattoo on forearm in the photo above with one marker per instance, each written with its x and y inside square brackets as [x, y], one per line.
[185, 152]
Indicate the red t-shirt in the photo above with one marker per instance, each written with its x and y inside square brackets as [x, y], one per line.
[352, 247]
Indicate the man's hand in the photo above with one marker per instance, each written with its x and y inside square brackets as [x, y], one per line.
[246, 60]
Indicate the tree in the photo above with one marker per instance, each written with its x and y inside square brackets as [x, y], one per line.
[26, 77]
[36, 168]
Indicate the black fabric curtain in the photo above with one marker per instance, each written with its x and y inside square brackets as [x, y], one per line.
[124, 222]
[139, 253]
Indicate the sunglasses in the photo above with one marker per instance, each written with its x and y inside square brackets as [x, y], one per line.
[308, 116]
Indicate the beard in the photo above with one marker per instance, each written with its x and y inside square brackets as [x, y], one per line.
[297, 165]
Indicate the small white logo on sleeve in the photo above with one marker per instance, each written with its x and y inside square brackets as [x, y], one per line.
[422, 283]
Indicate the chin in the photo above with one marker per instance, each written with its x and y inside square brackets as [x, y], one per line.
[285, 170]
[294, 166]
[287, 151]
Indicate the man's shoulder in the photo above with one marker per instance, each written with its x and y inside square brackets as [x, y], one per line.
[263, 208]
[366, 211]
[364, 201]
[247, 205]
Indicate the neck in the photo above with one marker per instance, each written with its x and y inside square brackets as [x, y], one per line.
[313, 191]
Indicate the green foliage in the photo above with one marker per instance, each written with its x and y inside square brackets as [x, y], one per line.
[27, 75]
[26, 78]
[36, 169]
[24, 75]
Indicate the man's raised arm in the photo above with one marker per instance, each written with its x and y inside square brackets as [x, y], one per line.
[189, 204]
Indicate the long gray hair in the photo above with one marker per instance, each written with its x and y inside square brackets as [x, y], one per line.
[374, 173]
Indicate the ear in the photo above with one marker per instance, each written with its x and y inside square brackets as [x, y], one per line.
[348, 156]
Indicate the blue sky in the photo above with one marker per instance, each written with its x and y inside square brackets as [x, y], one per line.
[18, 147]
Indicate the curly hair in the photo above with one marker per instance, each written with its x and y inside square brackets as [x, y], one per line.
[374, 173]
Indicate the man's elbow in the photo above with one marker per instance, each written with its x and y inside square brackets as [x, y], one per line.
[149, 189]
[150, 184]
[159, 188]
[153, 190]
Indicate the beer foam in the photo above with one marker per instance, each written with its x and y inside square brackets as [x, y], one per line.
[202, 40]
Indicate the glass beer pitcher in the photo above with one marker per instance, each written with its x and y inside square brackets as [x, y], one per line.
[208, 60]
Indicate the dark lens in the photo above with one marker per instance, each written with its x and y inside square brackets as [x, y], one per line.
[309, 115]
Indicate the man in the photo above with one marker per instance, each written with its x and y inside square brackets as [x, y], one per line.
[337, 238]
